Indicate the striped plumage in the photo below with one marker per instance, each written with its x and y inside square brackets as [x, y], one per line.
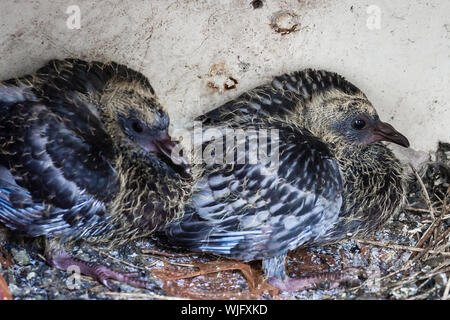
[333, 178]
[85, 154]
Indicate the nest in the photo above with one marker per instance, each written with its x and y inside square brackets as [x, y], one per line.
[411, 255]
[426, 275]
[408, 259]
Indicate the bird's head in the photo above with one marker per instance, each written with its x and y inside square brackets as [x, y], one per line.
[355, 119]
[341, 111]
[139, 127]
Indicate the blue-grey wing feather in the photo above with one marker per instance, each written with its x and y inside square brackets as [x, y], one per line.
[251, 211]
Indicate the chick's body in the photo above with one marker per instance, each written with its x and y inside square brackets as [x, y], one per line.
[331, 178]
[85, 154]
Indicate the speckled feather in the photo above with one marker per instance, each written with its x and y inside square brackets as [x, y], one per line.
[249, 211]
[65, 171]
[325, 188]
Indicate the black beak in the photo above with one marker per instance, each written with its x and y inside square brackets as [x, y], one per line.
[170, 150]
[385, 132]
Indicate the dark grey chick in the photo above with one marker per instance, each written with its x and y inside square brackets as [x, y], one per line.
[332, 176]
[85, 154]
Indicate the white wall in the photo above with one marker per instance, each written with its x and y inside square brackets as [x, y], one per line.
[188, 47]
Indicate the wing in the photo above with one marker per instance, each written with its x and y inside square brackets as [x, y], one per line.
[251, 210]
[247, 211]
[20, 212]
[61, 161]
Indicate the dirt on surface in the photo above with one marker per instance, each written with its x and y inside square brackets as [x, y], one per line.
[408, 259]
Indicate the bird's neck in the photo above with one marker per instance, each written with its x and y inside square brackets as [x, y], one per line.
[374, 187]
[146, 199]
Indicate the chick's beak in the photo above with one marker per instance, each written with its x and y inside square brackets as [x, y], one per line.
[170, 150]
[385, 132]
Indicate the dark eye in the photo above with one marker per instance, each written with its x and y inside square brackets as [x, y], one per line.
[359, 124]
[137, 127]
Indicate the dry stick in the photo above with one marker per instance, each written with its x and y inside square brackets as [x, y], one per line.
[174, 263]
[443, 268]
[119, 260]
[402, 269]
[142, 296]
[416, 277]
[424, 190]
[419, 255]
[42, 257]
[417, 209]
[415, 249]
[435, 223]
[169, 255]
[400, 247]
[442, 236]
[179, 264]
[421, 296]
[366, 283]
[446, 291]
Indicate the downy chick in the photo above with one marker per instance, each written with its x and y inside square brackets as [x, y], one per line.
[85, 154]
[332, 176]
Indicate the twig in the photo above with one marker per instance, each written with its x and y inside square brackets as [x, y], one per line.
[417, 209]
[180, 264]
[157, 253]
[424, 191]
[442, 236]
[433, 225]
[120, 260]
[421, 296]
[42, 257]
[400, 247]
[142, 296]
[163, 259]
[169, 255]
[446, 291]
[417, 276]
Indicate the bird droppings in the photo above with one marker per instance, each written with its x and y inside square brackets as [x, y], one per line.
[285, 22]
[392, 272]
[217, 69]
[212, 85]
[230, 83]
[220, 79]
[21, 257]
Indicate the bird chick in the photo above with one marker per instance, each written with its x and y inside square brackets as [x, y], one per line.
[333, 177]
[85, 154]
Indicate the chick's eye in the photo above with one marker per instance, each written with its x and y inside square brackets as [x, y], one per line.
[358, 124]
[137, 127]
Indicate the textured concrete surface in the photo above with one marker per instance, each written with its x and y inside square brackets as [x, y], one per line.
[198, 54]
